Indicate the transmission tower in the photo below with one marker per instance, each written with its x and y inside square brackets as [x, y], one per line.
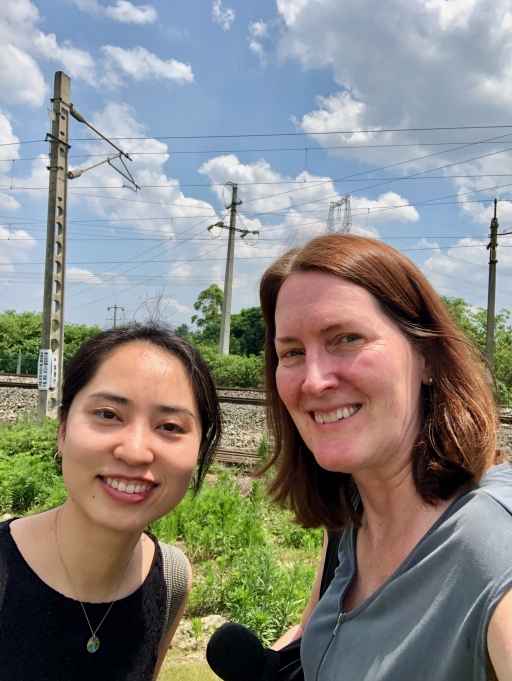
[335, 215]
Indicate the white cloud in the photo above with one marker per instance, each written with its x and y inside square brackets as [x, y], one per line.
[127, 13]
[123, 11]
[259, 29]
[21, 79]
[142, 64]
[431, 67]
[257, 49]
[224, 16]
[79, 63]
[14, 245]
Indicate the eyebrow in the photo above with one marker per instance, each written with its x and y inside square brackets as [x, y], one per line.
[326, 329]
[165, 409]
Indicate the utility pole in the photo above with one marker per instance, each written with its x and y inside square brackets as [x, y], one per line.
[51, 356]
[225, 325]
[52, 336]
[491, 294]
[115, 308]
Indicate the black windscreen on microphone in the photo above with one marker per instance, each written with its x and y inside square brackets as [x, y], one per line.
[235, 654]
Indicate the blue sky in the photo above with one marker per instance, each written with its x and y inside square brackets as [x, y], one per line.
[183, 77]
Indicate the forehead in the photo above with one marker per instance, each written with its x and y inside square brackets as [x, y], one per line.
[142, 366]
[322, 299]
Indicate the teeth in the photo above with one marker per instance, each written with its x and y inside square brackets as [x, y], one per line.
[334, 416]
[129, 488]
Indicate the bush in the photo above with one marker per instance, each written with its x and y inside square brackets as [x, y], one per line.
[216, 523]
[233, 371]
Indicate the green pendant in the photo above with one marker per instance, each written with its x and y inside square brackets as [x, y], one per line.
[93, 644]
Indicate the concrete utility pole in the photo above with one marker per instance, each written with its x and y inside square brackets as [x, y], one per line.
[52, 336]
[491, 294]
[115, 308]
[225, 326]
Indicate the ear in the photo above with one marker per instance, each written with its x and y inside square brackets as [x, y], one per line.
[61, 434]
[427, 377]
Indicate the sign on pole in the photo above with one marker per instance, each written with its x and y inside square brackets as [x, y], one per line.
[55, 371]
[44, 370]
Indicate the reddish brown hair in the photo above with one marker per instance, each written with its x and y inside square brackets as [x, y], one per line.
[457, 438]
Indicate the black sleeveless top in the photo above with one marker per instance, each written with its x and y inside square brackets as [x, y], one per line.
[43, 634]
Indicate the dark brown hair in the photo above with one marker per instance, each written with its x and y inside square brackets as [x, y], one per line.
[87, 361]
[457, 438]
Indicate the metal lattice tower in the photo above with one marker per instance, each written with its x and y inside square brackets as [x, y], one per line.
[335, 215]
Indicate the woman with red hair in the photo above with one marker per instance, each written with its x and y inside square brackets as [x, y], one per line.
[384, 427]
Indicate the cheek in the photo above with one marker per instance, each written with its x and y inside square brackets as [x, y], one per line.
[288, 385]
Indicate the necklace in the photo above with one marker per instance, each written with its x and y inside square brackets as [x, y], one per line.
[94, 642]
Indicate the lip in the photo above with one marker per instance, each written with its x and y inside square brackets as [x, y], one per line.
[134, 498]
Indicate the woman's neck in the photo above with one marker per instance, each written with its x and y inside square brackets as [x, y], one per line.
[393, 509]
[101, 564]
[94, 559]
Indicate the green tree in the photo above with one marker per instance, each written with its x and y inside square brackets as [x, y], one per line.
[21, 332]
[474, 324]
[247, 331]
[209, 304]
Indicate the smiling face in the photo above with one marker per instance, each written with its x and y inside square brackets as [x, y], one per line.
[131, 439]
[349, 378]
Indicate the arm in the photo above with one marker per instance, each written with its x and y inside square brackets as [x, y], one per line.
[499, 638]
[164, 646]
[297, 631]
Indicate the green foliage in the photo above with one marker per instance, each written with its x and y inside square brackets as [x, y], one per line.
[236, 566]
[209, 304]
[233, 522]
[21, 332]
[474, 324]
[233, 371]
[197, 629]
[29, 479]
[247, 332]
[26, 436]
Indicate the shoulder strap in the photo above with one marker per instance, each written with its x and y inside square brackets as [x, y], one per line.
[175, 569]
[331, 559]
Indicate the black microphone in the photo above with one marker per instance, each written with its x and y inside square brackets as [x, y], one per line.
[236, 654]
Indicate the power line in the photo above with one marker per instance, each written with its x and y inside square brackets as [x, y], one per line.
[299, 134]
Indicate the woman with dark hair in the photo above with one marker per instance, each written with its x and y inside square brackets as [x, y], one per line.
[85, 592]
[385, 427]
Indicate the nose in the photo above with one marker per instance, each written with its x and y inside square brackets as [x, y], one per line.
[319, 375]
[135, 445]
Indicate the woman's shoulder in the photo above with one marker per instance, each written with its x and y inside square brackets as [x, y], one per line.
[480, 521]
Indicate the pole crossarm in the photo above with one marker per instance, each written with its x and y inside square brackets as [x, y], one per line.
[73, 174]
[243, 232]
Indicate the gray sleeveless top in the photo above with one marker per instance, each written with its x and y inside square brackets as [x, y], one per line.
[428, 621]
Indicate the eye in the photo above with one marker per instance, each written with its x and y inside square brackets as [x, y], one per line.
[107, 414]
[349, 338]
[172, 428]
[292, 353]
